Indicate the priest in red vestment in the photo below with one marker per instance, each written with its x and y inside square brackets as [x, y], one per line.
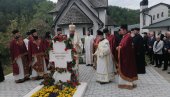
[47, 45]
[19, 56]
[126, 68]
[113, 43]
[36, 56]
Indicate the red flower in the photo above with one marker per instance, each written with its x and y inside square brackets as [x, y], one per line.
[74, 50]
[69, 69]
[75, 58]
[45, 83]
[64, 37]
[66, 49]
[75, 84]
[76, 75]
[68, 81]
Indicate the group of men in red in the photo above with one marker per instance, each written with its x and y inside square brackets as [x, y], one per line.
[28, 55]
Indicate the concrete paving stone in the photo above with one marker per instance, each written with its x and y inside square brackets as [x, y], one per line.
[151, 84]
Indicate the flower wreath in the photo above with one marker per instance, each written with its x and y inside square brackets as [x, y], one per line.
[71, 64]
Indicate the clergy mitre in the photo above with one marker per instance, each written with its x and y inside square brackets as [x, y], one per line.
[72, 27]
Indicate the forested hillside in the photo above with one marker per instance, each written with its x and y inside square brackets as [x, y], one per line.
[124, 15]
[23, 15]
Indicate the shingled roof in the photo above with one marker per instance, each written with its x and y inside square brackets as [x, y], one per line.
[164, 23]
[75, 15]
[99, 3]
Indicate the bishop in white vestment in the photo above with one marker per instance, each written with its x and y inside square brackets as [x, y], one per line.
[77, 44]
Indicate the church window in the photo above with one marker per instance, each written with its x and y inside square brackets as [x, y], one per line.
[84, 31]
[91, 32]
[153, 17]
[169, 13]
[158, 15]
[162, 14]
[144, 20]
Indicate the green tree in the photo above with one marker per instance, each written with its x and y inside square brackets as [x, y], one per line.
[123, 15]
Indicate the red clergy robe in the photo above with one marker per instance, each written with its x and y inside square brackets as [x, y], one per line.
[96, 42]
[113, 41]
[126, 67]
[18, 49]
[47, 44]
[36, 49]
[110, 38]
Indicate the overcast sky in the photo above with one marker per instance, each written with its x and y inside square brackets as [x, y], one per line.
[132, 4]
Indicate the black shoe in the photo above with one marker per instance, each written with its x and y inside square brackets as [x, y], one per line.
[152, 63]
[19, 81]
[102, 83]
[156, 66]
[26, 79]
[168, 72]
[164, 69]
[159, 66]
[88, 65]
[91, 65]
[2, 80]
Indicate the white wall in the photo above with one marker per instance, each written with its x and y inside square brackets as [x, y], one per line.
[158, 10]
[154, 11]
[162, 30]
[102, 15]
[142, 16]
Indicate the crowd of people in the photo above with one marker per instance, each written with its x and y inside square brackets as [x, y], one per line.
[157, 47]
[121, 53]
[124, 53]
[30, 56]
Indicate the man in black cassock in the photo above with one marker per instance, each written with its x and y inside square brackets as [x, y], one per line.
[1, 73]
[139, 51]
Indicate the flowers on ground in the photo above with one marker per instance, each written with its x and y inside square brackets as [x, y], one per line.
[55, 91]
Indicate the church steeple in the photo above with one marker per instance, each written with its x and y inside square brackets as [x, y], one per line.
[144, 3]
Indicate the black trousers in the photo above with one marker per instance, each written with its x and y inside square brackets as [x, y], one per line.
[158, 60]
[166, 60]
[1, 74]
[151, 56]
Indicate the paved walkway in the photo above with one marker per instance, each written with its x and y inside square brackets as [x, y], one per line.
[149, 85]
[163, 73]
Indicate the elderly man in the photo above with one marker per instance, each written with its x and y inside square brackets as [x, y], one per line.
[158, 51]
[151, 41]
